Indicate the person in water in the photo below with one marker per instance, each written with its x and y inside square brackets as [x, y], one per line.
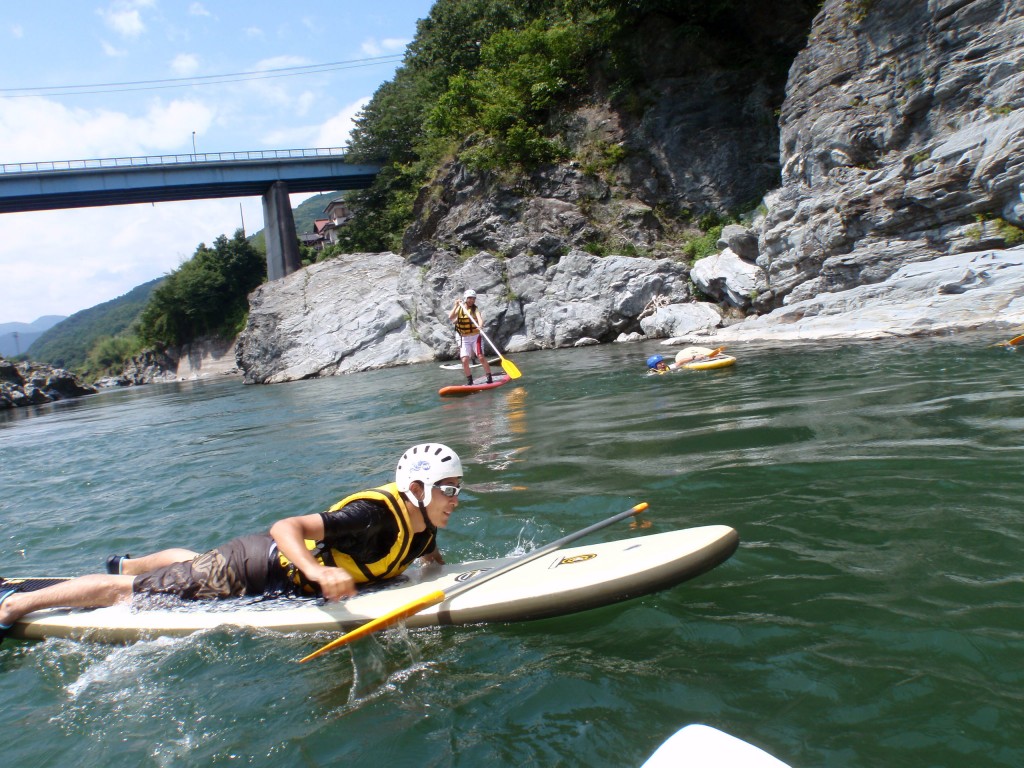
[657, 364]
[367, 537]
[468, 322]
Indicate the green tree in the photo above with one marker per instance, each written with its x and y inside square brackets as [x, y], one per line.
[208, 294]
[109, 354]
[482, 80]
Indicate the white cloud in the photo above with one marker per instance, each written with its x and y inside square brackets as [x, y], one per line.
[31, 129]
[372, 47]
[138, 244]
[185, 64]
[111, 51]
[281, 62]
[306, 101]
[123, 17]
[17, 30]
[335, 131]
[254, 33]
[274, 91]
[198, 9]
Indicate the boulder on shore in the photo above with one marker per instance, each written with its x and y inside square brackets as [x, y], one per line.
[27, 383]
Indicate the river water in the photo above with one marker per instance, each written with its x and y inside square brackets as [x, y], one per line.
[871, 615]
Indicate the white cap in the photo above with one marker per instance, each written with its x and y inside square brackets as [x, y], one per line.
[470, 294]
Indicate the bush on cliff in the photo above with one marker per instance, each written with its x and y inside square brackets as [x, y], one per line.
[207, 295]
[108, 355]
[483, 79]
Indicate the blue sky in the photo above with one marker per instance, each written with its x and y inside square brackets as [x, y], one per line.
[77, 82]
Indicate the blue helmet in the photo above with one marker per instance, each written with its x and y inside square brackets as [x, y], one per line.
[653, 360]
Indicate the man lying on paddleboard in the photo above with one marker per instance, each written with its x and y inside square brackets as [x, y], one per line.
[369, 536]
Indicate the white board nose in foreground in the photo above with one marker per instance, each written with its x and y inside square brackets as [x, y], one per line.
[701, 746]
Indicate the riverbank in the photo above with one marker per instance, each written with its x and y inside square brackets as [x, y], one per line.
[961, 292]
[370, 311]
[26, 383]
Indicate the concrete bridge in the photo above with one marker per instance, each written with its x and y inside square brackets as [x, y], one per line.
[272, 174]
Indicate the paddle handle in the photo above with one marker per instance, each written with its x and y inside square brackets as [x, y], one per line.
[438, 596]
[407, 610]
[547, 549]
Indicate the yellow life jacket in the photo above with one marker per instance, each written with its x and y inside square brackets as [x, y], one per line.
[390, 565]
[463, 323]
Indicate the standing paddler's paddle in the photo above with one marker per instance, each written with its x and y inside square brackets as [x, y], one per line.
[440, 595]
[508, 365]
[1012, 342]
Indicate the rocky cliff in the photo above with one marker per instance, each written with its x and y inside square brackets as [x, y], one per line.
[901, 141]
[897, 165]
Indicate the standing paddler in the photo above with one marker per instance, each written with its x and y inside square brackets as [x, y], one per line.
[468, 322]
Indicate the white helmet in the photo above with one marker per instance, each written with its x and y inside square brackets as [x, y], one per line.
[469, 294]
[428, 463]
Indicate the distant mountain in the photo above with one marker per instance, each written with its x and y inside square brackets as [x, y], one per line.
[310, 210]
[68, 343]
[16, 338]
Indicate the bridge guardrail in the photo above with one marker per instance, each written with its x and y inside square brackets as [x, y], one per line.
[157, 160]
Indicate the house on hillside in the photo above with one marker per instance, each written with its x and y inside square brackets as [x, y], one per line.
[312, 240]
[338, 214]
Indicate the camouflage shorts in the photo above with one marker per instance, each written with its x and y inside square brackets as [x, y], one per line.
[237, 568]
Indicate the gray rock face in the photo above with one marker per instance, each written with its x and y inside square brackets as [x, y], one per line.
[333, 317]
[587, 296]
[728, 278]
[901, 134]
[25, 384]
[901, 149]
[682, 319]
[687, 152]
[376, 310]
[955, 292]
[204, 357]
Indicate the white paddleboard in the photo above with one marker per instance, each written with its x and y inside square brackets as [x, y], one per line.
[458, 366]
[701, 746]
[565, 581]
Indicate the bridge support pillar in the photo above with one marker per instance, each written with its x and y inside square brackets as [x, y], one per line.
[279, 230]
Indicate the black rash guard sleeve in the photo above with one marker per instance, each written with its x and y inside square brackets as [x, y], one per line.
[365, 529]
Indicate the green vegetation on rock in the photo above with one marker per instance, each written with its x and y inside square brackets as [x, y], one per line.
[207, 295]
[485, 80]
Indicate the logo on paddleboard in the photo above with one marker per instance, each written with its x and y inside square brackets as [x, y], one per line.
[574, 559]
[467, 575]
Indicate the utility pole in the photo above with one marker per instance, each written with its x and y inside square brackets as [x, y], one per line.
[193, 146]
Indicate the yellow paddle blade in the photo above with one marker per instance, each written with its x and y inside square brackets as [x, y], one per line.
[392, 617]
[510, 368]
[1011, 343]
